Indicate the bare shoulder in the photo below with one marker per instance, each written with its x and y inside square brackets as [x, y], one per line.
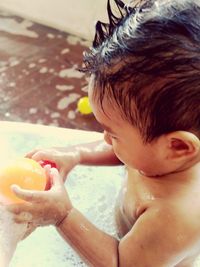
[161, 236]
[166, 232]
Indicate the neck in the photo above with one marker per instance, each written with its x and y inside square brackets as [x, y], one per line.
[189, 165]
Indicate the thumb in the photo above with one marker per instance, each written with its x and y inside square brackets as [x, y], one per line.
[27, 195]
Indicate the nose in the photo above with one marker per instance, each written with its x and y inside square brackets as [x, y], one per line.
[107, 138]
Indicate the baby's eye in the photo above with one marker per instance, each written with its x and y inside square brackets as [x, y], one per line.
[109, 135]
[112, 136]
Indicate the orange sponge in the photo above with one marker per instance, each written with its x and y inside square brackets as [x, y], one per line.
[26, 173]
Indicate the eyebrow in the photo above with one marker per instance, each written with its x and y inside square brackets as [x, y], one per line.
[105, 127]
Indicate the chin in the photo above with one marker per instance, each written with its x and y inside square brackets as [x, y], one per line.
[153, 173]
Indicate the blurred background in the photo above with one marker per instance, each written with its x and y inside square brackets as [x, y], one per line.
[41, 47]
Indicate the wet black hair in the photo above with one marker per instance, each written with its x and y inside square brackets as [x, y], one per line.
[146, 60]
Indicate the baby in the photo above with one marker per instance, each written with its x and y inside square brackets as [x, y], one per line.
[145, 92]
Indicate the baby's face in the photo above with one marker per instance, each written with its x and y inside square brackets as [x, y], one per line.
[127, 142]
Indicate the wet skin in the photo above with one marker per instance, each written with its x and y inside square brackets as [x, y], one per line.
[140, 193]
[158, 209]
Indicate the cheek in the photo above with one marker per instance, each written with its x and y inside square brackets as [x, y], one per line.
[145, 161]
[107, 138]
[131, 156]
[121, 152]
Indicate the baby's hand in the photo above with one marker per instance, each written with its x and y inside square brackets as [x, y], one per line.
[42, 207]
[64, 159]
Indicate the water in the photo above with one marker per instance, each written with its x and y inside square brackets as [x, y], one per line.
[93, 191]
[45, 247]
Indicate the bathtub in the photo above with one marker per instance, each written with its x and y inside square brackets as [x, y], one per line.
[44, 247]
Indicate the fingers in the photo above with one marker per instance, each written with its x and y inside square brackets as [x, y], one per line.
[31, 153]
[44, 155]
[23, 217]
[30, 228]
[21, 212]
[28, 195]
[39, 196]
[40, 154]
[55, 178]
[18, 208]
[47, 168]
[49, 180]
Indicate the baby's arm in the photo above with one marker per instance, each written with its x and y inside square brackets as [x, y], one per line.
[97, 153]
[159, 238]
[93, 245]
[162, 236]
[65, 158]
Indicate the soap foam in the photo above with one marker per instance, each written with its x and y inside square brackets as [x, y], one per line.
[10, 235]
[93, 191]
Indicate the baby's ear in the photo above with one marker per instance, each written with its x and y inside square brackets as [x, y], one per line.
[182, 145]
